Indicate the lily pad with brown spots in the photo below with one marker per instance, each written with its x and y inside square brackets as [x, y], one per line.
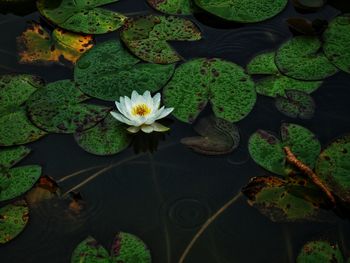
[13, 219]
[84, 16]
[10, 156]
[37, 46]
[147, 37]
[320, 251]
[172, 7]
[89, 251]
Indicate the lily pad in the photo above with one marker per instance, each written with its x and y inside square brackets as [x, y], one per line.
[333, 167]
[128, 248]
[273, 198]
[320, 252]
[13, 219]
[147, 37]
[172, 7]
[10, 156]
[89, 251]
[58, 108]
[217, 137]
[275, 84]
[84, 16]
[106, 138]
[108, 72]
[243, 11]
[302, 58]
[37, 46]
[267, 150]
[309, 4]
[230, 91]
[296, 104]
[336, 42]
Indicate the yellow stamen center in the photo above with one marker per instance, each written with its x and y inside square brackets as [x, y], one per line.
[141, 110]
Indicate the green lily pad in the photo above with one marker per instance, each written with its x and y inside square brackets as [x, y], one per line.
[147, 37]
[108, 72]
[296, 104]
[37, 46]
[84, 16]
[89, 251]
[267, 150]
[301, 58]
[320, 252]
[13, 219]
[21, 179]
[333, 167]
[276, 84]
[128, 248]
[336, 42]
[172, 7]
[106, 138]
[58, 108]
[273, 198]
[243, 11]
[10, 156]
[230, 91]
[217, 137]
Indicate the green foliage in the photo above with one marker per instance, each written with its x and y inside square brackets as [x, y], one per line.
[320, 252]
[89, 251]
[172, 7]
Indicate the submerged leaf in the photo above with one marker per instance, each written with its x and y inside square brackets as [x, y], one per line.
[89, 251]
[147, 37]
[45, 189]
[37, 46]
[320, 252]
[336, 42]
[172, 7]
[243, 11]
[84, 16]
[309, 4]
[301, 58]
[217, 137]
[13, 219]
[333, 167]
[296, 104]
[108, 72]
[230, 91]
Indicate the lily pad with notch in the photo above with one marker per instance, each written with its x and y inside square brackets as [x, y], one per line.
[13, 219]
[108, 71]
[217, 137]
[89, 250]
[84, 16]
[320, 251]
[147, 37]
[58, 108]
[296, 104]
[302, 58]
[243, 11]
[229, 89]
[172, 7]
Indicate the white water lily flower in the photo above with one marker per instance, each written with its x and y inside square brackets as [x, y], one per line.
[141, 112]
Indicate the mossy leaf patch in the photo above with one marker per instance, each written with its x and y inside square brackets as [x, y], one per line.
[320, 251]
[172, 7]
[89, 251]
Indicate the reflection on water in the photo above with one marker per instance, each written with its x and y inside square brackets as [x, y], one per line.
[165, 196]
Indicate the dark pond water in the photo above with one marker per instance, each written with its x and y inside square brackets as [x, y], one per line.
[166, 196]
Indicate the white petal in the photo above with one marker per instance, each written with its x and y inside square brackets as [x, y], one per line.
[128, 105]
[133, 129]
[134, 96]
[165, 113]
[159, 127]
[121, 118]
[121, 108]
[156, 101]
[147, 128]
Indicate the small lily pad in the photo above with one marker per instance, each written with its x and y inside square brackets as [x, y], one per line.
[275, 84]
[83, 16]
[302, 58]
[58, 108]
[108, 72]
[37, 46]
[336, 42]
[273, 198]
[13, 219]
[89, 251]
[217, 137]
[320, 252]
[267, 150]
[128, 248]
[243, 11]
[106, 138]
[333, 167]
[147, 37]
[296, 104]
[172, 7]
[230, 91]
[10, 156]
